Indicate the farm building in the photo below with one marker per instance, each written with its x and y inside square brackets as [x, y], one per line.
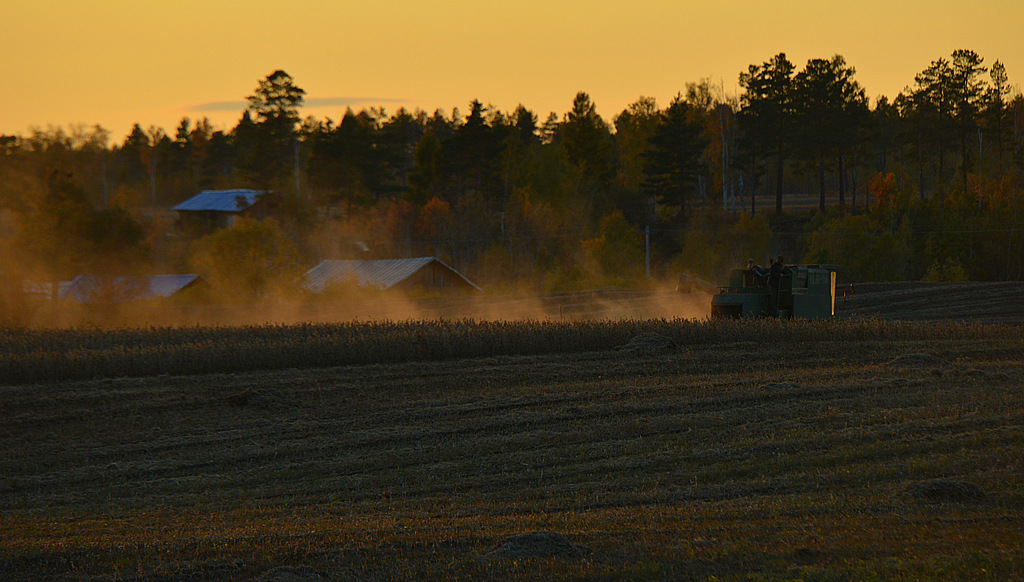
[212, 209]
[428, 272]
[91, 288]
[43, 290]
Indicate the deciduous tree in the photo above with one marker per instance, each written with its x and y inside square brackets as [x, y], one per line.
[62, 235]
[618, 250]
[251, 259]
[866, 250]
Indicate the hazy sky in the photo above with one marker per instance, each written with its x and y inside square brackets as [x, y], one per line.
[117, 62]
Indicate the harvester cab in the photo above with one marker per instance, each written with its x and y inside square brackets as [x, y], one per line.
[805, 291]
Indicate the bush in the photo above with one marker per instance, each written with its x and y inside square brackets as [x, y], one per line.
[618, 251]
[949, 271]
[865, 250]
[252, 259]
[713, 246]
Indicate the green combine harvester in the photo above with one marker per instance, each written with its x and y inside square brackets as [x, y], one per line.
[805, 291]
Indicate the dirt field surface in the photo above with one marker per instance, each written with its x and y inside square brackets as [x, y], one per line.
[1001, 302]
[968, 302]
[831, 455]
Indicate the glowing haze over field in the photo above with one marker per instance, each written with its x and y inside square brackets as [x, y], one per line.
[115, 63]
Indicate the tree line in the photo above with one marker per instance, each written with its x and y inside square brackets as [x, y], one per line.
[509, 196]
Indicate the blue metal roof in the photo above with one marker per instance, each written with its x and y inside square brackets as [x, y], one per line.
[382, 273]
[220, 201]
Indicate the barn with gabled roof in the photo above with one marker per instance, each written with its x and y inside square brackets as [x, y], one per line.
[93, 288]
[424, 272]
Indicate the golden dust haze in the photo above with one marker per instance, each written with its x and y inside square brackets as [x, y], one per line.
[115, 62]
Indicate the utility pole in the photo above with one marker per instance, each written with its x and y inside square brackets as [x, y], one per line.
[297, 191]
[647, 245]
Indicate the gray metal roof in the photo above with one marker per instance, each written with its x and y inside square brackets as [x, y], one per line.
[167, 285]
[220, 201]
[381, 273]
[84, 288]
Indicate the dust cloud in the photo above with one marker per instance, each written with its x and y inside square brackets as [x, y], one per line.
[663, 303]
[33, 295]
[372, 305]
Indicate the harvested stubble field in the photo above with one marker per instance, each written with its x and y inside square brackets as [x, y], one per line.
[646, 450]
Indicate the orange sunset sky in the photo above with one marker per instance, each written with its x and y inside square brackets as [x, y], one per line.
[118, 62]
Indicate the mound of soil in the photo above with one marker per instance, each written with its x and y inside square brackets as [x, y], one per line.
[940, 490]
[538, 545]
[648, 343]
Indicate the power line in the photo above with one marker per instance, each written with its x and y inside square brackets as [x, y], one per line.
[581, 236]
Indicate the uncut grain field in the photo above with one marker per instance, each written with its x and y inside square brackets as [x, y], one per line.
[875, 447]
